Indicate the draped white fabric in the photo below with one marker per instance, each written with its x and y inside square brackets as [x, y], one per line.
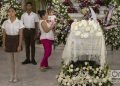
[90, 47]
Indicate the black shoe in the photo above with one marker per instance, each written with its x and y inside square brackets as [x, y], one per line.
[26, 62]
[34, 62]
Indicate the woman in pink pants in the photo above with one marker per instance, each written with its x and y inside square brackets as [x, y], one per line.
[46, 38]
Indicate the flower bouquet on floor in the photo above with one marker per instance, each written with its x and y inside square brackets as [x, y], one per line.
[67, 3]
[71, 9]
[84, 73]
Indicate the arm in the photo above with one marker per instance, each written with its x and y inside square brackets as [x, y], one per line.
[20, 37]
[4, 37]
[46, 28]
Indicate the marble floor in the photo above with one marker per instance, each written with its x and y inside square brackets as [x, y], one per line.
[30, 75]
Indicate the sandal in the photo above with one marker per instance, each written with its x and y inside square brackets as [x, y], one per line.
[43, 69]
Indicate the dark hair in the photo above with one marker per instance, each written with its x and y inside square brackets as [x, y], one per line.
[49, 10]
[29, 3]
[41, 13]
[12, 8]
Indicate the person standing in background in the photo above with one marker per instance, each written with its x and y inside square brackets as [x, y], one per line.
[12, 40]
[30, 20]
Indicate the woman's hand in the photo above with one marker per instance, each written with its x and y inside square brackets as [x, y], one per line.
[3, 47]
[19, 48]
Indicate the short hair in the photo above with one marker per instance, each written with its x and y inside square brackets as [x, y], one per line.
[49, 10]
[41, 13]
[29, 3]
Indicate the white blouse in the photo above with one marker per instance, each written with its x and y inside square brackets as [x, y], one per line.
[12, 28]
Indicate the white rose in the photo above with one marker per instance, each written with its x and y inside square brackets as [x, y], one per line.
[77, 33]
[91, 31]
[87, 28]
[99, 34]
[84, 22]
[75, 27]
[85, 35]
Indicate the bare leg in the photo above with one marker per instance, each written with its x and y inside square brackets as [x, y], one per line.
[15, 67]
[11, 62]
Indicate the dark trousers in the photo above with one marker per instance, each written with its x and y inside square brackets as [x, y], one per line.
[29, 37]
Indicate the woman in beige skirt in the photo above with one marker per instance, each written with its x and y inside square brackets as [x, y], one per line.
[12, 40]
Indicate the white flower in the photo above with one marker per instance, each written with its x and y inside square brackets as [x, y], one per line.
[70, 70]
[68, 84]
[86, 63]
[99, 34]
[85, 35]
[103, 75]
[60, 79]
[84, 22]
[77, 69]
[90, 80]
[95, 80]
[84, 84]
[75, 27]
[100, 84]
[74, 78]
[87, 28]
[77, 33]
[104, 79]
[84, 68]
[71, 65]
[97, 77]
[88, 77]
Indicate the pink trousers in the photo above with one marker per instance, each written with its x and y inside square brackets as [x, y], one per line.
[47, 44]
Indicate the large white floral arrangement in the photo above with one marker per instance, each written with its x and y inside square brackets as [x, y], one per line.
[84, 74]
[113, 35]
[85, 28]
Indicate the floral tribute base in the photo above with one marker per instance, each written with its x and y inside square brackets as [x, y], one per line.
[84, 73]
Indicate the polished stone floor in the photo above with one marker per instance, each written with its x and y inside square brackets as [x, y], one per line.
[30, 75]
